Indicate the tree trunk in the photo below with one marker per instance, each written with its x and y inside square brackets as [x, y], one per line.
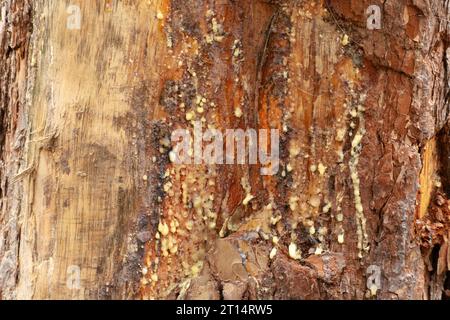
[93, 206]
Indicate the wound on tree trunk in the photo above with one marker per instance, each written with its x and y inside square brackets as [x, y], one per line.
[342, 104]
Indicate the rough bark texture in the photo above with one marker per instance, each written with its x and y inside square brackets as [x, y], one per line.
[85, 175]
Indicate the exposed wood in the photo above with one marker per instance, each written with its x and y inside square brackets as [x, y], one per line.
[88, 186]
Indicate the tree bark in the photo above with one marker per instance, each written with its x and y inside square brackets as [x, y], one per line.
[93, 208]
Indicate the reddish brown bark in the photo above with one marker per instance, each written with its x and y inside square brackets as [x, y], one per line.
[86, 179]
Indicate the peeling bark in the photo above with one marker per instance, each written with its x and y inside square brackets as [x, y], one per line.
[86, 179]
